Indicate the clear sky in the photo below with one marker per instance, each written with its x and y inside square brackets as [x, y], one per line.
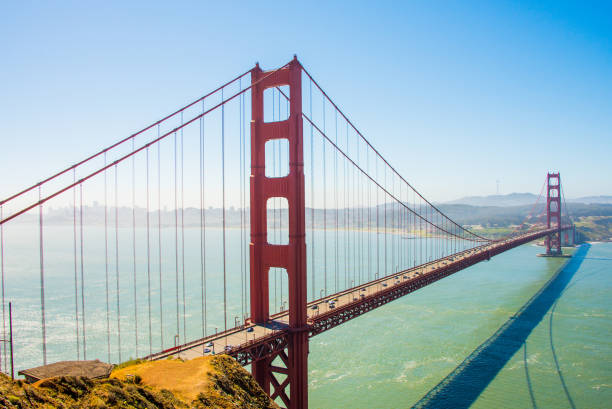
[456, 94]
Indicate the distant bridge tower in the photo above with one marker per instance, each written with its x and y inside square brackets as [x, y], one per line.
[289, 383]
[553, 213]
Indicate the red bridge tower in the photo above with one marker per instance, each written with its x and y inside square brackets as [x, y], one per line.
[553, 213]
[292, 256]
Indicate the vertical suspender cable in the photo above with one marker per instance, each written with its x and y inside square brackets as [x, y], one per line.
[385, 210]
[324, 208]
[4, 354]
[176, 252]
[82, 274]
[183, 230]
[346, 220]
[358, 220]
[159, 254]
[377, 227]
[400, 224]
[134, 247]
[402, 230]
[362, 230]
[42, 279]
[223, 200]
[106, 261]
[274, 234]
[438, 223]
[149, 257]
[202, 231]
[428, 230]
[392, 227]
[398, 231]
[76, 279]
[434, 221]
[245, 178]
[405, 226]
[312, 204]
[358, 210]
[354, 221]
[369, 218]
[280, 211]
[421, 233]
[244, 205]
[428, 233]
[117, 264]
[240, 179]
[336, 200]
[414, 230]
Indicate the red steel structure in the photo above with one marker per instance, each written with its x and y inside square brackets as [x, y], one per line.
[291, 257]
[553, 213]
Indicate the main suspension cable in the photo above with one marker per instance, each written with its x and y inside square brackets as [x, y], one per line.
[381, 157]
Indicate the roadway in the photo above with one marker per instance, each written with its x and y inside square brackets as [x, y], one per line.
[250, 335]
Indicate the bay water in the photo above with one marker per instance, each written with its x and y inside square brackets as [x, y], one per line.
[391, 357]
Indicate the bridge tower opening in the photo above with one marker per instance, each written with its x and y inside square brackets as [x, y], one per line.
[289, 383]
[553, 213]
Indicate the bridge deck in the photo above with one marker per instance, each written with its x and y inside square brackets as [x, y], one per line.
[251, 342]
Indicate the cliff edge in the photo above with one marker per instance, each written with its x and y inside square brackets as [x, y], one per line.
[207, 382]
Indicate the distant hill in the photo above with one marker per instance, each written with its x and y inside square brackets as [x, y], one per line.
[512, 199]
[592, 199]
[521, 199]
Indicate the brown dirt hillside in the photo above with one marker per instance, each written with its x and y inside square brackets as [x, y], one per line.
[211, 382]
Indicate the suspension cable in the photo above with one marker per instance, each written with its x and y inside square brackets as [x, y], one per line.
[381, 157]
[372, 179]
[122, 141]
[130, 154]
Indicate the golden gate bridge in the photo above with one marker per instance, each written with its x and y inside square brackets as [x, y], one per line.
[258, 210]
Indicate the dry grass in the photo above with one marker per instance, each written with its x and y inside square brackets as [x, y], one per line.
[185, 379]
[216, 382]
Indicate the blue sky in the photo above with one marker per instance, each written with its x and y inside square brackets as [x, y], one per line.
[456, 95]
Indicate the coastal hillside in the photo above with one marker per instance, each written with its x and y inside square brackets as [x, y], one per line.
[207, 382]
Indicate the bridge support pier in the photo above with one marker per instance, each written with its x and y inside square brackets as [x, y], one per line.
[283, 376]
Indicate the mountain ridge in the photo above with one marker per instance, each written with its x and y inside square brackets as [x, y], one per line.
[521, 199]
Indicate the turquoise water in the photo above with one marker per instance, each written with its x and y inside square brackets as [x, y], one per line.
[393, 356]
[180, 291]
[389, 358]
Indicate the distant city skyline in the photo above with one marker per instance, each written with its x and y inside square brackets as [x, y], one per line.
[456, 96]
